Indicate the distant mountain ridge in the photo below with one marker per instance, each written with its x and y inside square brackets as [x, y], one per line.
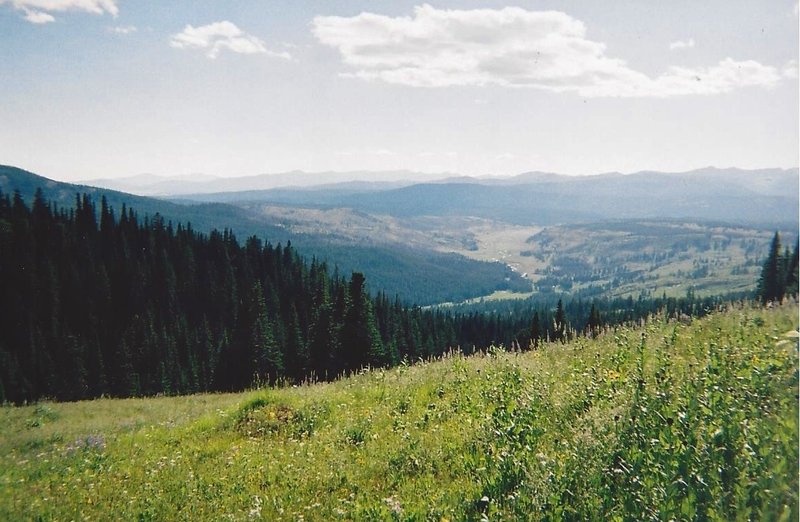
[769, 181]
[153, 185]
[764, 196]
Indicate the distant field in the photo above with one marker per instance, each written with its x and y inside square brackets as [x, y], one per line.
[623, 258]
[630, 257]
[669, 421]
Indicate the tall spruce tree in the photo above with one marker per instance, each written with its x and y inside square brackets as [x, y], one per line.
[360, 340]
[791, 272]
[594, 322]
[772, 283]
[536, 330]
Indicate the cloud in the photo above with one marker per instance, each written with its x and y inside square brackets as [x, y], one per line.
[366, 152]
[790, 69]
[682, 44]
[511, 47]
[431, 154]
[726, 76]
[126, 29]
[40, 11]
[219, 36]
[38, 17]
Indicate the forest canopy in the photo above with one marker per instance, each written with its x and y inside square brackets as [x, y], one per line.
[98, 302]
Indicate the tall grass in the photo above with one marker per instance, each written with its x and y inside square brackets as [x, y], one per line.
[668, 421]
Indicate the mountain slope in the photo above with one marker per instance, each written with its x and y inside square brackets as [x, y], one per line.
[203, 216]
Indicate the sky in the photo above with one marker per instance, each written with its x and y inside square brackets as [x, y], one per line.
[116, 88]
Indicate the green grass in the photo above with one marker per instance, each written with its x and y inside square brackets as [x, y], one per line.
[668, 421]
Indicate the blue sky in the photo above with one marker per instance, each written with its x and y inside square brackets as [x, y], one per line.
[113, 88]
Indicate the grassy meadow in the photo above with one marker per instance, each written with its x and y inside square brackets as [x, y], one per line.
[664, 421]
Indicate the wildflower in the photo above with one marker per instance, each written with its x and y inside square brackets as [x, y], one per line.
[90, 442]
[255, 511]
[394, 505]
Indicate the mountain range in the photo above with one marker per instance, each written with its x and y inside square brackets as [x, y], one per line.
[762, 197]
[155, 185]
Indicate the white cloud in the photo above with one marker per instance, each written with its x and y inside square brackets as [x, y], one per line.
[40, 11]
[726, 76]
[511, 47]
[790, 69]
[38, 17]
[366, 152]
[431, 154]
[125, 29]
[219, 36]
[681, 44]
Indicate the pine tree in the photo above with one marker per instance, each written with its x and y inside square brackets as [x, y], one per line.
[594, 322]
[771, 286]
[536, 331]
[360, 340]
[268, 358]
[791, 272]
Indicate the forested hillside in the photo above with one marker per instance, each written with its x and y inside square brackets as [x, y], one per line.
[98, 302]
[130, 306]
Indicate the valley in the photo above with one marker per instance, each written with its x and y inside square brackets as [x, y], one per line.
[612, 258]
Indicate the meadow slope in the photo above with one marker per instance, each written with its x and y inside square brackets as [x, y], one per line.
[663, 421]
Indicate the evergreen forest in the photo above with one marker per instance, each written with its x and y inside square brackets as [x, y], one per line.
[99, 302]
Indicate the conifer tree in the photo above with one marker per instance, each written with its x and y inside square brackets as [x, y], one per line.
[360, 340]
[771, 285]
[536, 330]
[267, 357]
[791, 272]
[594, 322]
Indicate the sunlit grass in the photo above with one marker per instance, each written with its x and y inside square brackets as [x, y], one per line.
[666, 421]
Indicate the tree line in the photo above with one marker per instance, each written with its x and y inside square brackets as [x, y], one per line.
[96, 302]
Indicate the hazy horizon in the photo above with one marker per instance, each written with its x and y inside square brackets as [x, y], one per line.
[363, 175]
[390, 175]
